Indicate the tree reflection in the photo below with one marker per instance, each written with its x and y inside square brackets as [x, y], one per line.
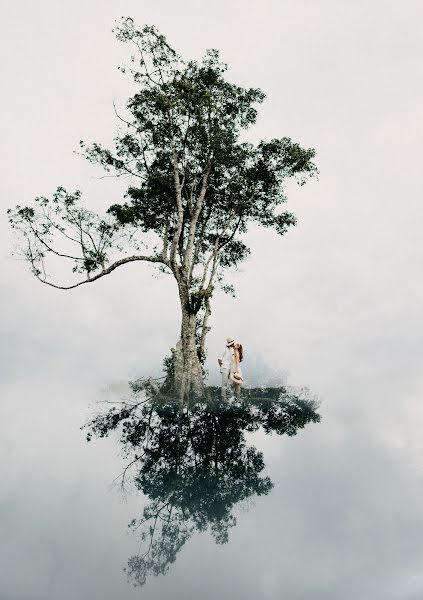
[193, 461]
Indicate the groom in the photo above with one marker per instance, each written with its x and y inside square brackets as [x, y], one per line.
[225, 362]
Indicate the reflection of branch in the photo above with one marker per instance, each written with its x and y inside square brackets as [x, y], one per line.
[195, 466]
[123, 474]
[142, 521]
[191, 437]
[153, 531]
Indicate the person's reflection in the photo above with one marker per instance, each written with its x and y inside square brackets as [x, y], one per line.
[194, 464]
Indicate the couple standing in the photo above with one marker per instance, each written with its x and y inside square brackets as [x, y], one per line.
[229, 366]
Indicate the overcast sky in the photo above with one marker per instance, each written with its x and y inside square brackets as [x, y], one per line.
[336, 304]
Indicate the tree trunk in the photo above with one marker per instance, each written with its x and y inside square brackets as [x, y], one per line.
[188, 372]
[193, 379]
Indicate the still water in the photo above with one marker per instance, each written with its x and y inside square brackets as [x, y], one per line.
[193, 463]
[273, 494]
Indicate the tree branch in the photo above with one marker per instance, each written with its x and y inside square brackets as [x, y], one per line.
[49, 248]
[112, 267]
[204, 328]
[188, 256]
[178, 191]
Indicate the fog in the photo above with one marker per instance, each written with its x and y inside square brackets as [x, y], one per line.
[335, 305]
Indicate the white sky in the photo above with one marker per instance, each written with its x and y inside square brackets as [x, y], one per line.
[337, 303]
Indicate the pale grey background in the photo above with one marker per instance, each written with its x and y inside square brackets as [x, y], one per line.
[337, 304]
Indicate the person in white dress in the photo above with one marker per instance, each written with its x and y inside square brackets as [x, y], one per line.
[235, 375]
[229, 366]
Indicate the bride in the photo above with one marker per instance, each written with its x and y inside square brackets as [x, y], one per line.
[235, 375]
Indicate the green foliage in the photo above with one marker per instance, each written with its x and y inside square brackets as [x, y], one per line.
[64, 215]
[189, 116]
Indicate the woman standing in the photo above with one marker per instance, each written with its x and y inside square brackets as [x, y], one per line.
[236, 373]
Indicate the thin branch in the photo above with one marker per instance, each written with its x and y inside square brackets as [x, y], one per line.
[50, 220]
[178, 191]
[165, 240]
[121, 118]
[233, 233]
[123, 474]
[49, 248]
[145, 64]
[112, 267]
[198, 243]
[188, 256]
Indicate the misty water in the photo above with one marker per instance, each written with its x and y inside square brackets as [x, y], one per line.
[192, 462]
[275, 490]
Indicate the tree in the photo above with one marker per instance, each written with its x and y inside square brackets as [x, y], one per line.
[194, 187]
[193, 462]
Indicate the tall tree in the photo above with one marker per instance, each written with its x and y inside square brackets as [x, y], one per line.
[194, 187]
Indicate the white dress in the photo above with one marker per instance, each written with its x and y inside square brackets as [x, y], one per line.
[235, 368]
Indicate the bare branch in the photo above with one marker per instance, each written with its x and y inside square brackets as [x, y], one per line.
[112, 267]
[231, 237]
[165, 240]
[49, 248]
[204, 328]
[179, 205]
[128, 123]
[188, 255]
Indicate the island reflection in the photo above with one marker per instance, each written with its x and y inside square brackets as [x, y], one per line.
[192, 461]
